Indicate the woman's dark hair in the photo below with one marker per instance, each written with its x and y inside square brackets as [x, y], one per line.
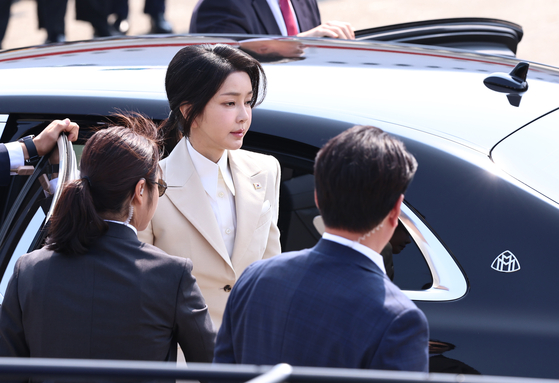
[359, 176]
[195, 75]
[112, 163]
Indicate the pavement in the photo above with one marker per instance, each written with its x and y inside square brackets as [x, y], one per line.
[539, 19]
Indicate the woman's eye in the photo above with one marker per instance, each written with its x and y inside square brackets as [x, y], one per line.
[232, 103]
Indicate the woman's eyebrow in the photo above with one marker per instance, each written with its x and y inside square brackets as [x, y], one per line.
[233, 93]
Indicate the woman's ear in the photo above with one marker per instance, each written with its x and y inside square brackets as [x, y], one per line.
[185, 108]
[139, 191]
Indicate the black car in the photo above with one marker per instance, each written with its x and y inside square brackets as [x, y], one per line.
[482, 210]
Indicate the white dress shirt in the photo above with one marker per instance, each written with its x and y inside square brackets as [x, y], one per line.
[276, 10]
[15, 152]
[218, 183]
[366, 251]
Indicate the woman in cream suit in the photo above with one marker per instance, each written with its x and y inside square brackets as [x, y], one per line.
[221, 205]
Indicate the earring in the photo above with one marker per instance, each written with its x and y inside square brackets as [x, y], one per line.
[130, 214]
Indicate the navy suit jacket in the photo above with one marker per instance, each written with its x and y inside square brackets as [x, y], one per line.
[4, 165]
[248, 17]
[329, 306]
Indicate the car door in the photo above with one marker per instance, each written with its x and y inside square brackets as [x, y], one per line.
[25, 225]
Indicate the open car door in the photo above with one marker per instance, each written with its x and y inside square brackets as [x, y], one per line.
[25, 226]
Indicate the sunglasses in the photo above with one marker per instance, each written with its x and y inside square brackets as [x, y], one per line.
[161, 187]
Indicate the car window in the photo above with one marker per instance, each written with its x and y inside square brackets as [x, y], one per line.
[24, 228]
[533, 147]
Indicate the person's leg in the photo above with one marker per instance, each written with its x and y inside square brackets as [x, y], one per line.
[51, 17]
[120, 9]
[156, 9]
[95, 12]
[5, 6]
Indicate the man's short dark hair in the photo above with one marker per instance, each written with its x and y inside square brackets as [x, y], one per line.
[359, 176]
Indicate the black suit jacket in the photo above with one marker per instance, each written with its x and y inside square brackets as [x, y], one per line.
[4, 165]
[248, 17]
[122, 300]
[329, 306]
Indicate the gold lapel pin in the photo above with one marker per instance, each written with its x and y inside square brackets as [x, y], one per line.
[257, 185]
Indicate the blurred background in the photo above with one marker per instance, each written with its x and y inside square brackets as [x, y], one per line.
[539, 19]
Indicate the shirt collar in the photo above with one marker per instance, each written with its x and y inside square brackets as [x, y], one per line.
[208, 170]
[123, 223]
[366, 251]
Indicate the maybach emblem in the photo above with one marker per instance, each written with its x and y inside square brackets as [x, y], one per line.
[506, 262]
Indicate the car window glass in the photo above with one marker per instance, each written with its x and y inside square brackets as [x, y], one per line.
[22, 247]
[411, 272]
[24, 231]
[533, 147]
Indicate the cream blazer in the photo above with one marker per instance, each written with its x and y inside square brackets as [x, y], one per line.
[184, 223]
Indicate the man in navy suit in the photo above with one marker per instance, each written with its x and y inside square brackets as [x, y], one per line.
[264, 17]
[333, 305]
[14, 154]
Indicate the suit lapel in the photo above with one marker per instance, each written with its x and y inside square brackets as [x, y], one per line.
[266, 17]
[186, 192]
[250, 190]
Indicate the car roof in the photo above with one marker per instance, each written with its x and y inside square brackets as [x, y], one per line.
[433, 90]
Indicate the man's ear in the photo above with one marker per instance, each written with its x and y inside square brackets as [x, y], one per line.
[395, 212]
[316, 200]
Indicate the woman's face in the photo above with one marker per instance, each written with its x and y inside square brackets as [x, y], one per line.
[225, 119]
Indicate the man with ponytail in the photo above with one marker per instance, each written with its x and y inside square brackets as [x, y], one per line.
[95, 291]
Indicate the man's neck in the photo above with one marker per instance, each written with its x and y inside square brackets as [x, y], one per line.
[375, 241]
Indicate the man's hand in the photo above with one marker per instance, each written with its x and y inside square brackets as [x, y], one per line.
[46, 140]
[333, 29]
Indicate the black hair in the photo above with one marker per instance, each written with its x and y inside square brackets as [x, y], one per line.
[359, 176]
[113, 161]
[195, 75]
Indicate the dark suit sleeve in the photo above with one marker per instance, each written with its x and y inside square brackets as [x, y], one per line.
[224, 352]
[4, 165]
[405, 343]
[12, 336]
[220, 16]
[194, 327]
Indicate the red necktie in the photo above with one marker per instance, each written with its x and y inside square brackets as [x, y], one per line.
[288, 17]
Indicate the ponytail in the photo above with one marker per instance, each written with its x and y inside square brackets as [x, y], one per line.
[75, 225]
[104, 189]
[171, 130]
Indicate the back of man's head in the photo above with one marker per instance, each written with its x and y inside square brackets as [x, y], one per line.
[359, 176]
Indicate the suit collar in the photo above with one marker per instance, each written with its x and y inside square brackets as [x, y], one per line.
[369, 253]
[118, 230]
[186, 192]
[344, 253]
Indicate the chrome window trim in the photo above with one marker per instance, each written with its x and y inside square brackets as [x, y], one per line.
[3, 121]
[449, 283]
[68, 169]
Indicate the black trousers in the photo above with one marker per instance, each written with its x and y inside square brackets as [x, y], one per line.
[4, 17]
[51, 16]
[151, 7]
